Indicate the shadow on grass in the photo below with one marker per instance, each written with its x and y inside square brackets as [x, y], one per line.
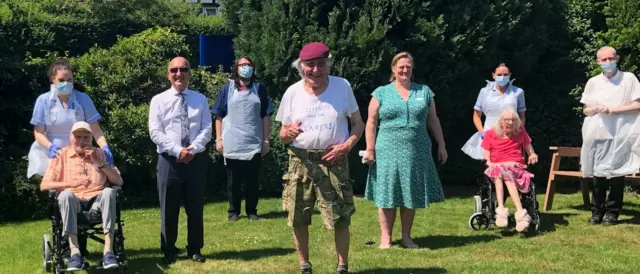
[447, 241]
[433, 270]
[144, 261]
[147, 260]
[549, 221]
[635, 217]
[635, 214]
[252, 254]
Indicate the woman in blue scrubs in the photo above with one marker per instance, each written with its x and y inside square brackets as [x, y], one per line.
[493, 98]
[54, 114]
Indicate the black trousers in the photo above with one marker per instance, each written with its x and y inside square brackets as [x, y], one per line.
[241, 172]
[601, 204]
[181, 183]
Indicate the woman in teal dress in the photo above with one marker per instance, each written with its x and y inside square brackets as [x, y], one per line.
[402, 171]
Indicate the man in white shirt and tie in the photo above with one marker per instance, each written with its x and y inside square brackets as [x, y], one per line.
[180, 125]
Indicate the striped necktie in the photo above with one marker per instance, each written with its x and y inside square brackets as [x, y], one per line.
[184, 122]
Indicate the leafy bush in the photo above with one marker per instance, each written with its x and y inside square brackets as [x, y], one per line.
[121, 81]
[456, 45]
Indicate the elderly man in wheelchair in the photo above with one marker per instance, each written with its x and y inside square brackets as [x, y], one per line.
[82, 179]
[503, 147]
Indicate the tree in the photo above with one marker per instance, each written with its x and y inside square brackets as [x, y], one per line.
[456, 44]
[120, 73]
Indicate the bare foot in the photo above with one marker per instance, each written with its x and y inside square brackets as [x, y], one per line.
[409, 243]
[385, 243]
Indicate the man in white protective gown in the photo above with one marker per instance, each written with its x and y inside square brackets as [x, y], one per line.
[610, 135]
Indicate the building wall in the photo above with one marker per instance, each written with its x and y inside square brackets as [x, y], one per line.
[209, 7]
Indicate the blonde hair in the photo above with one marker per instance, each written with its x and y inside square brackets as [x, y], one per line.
[517, 122]
[395, 60]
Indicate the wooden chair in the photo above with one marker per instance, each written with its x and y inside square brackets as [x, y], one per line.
[554, 171]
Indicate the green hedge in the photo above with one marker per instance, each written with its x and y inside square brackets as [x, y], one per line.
[120, 50]
[119, 73]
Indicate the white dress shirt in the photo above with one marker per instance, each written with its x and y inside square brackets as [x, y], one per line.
[164, 121]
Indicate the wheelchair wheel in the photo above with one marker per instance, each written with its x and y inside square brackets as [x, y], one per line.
[535, 224]
[47, 262]
[477, 204]
[478, 221]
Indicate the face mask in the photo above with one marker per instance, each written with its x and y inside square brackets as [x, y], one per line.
[609, 67]
[64, 88]
[245, 72]
[502, 80]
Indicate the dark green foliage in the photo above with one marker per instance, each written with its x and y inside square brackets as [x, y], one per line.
[120, 49]
[456, 46]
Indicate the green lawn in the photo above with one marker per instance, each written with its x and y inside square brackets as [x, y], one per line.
[566, 245]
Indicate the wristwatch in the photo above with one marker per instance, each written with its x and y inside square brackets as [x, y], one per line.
[101, 166]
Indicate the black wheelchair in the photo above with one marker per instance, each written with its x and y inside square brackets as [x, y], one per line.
[485, 204]
[55, 249]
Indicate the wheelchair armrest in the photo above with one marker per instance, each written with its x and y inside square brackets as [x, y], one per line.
[52, 193]
[117, 188]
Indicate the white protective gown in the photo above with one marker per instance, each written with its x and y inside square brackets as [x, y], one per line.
[611, 142]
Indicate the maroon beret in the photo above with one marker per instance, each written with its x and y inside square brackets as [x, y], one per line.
[314, 50]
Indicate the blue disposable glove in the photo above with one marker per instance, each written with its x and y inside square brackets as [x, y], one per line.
[482, 134]
[109, 155]
[53, 151]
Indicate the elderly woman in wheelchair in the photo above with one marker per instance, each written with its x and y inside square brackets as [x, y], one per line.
[80, 174]
[503, 147]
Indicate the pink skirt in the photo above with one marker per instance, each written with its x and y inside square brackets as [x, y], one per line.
[520, 176]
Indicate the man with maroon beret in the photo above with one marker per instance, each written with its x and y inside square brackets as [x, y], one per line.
[315, 114]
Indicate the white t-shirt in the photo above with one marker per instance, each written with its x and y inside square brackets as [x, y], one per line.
[324, 118]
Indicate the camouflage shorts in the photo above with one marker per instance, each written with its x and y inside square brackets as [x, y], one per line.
[309, 179]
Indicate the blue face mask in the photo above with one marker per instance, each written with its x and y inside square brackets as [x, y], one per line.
[502, 80]
[64, 88]
[609, 67]
[246, 72]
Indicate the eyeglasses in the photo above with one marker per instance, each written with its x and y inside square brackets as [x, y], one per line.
[175, 70]
[312, 64]
[245, 65]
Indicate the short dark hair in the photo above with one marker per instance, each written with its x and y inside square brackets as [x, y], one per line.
[234, 70]
[57, 66]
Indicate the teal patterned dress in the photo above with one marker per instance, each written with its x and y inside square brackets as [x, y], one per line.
[404, 173]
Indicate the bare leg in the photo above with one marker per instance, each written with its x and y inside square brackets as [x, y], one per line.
[108, 242]
[522, 217]
[73, 244]
[406, 217]
[301, 240]
[342, 238]
[502, 213]
[513, 193]
[387, 217]
[499, 192]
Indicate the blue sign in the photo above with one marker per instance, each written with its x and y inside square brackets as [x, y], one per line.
[216, 50]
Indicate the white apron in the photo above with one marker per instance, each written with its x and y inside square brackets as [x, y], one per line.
[473, 146]
[611, 142]
[58, 123]
[242, 127]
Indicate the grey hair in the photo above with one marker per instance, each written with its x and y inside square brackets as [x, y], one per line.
[517, 123]
[297, 64]
[600, 50]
